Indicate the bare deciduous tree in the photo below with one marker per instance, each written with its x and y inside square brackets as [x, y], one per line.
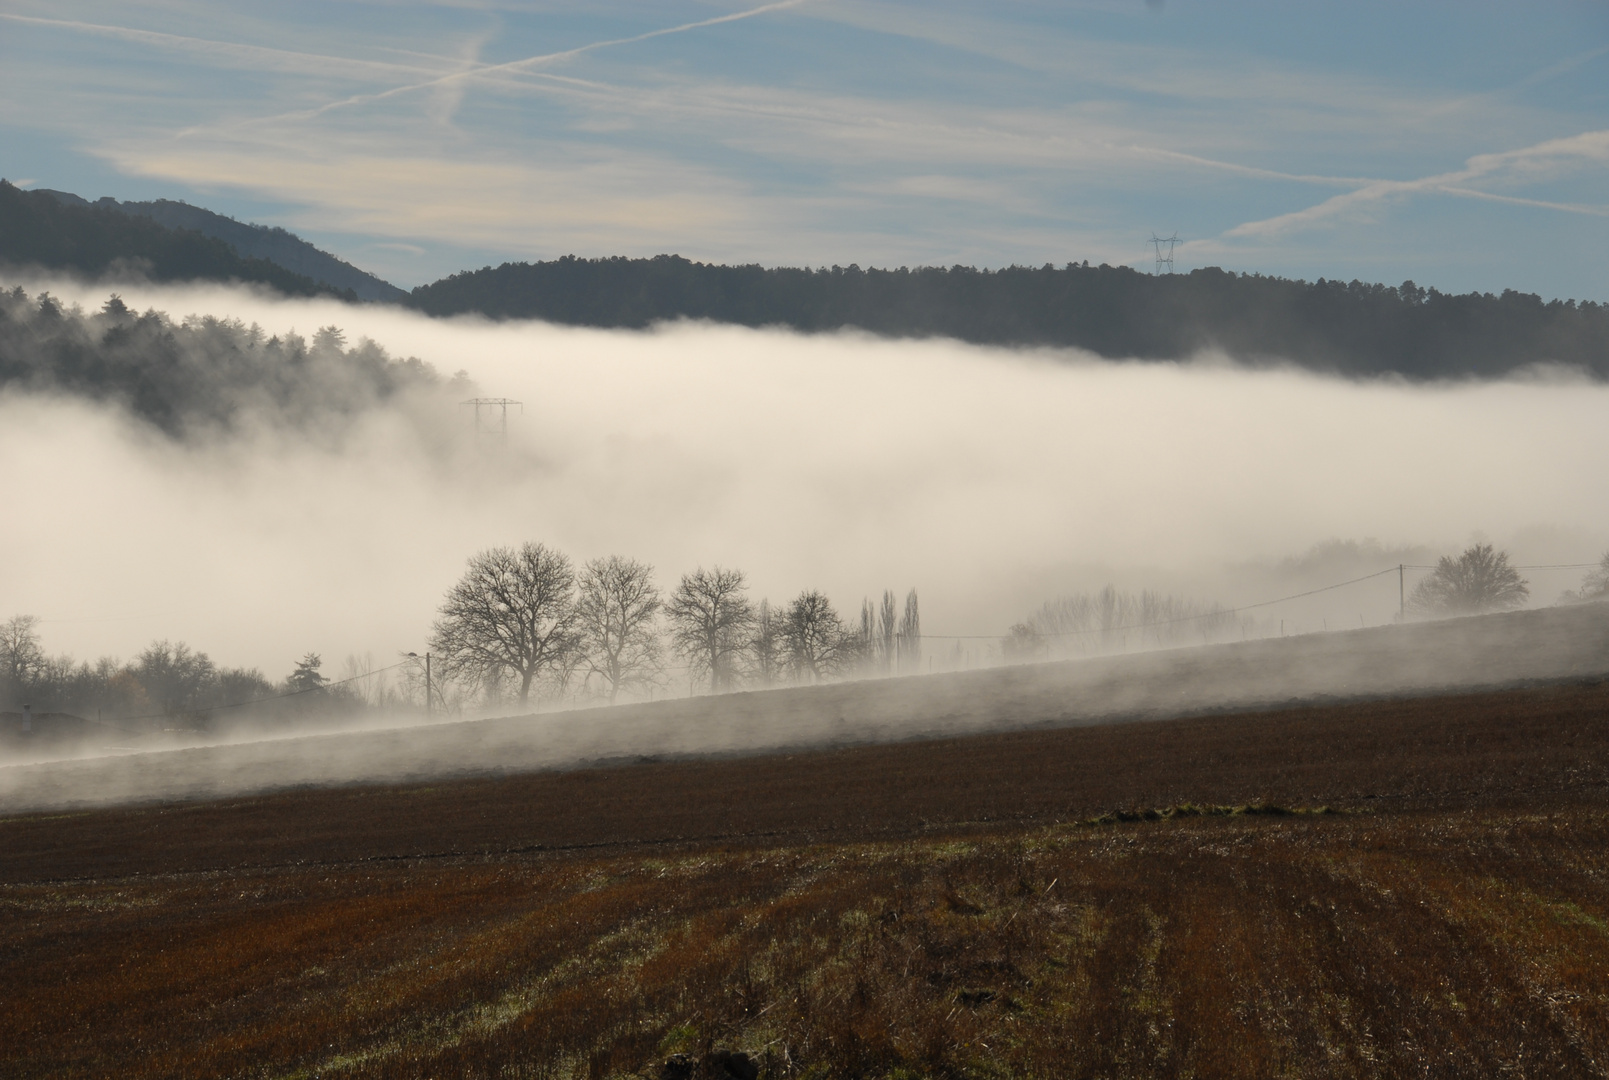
[512, 614]
[616, 614]
[175, 676]
[1023, 644]
[765, 647]
[1595, 586]
[888, 632]
[22, 659]
[711, 623]
[909, 641]
[1478, 580]
[812, 636]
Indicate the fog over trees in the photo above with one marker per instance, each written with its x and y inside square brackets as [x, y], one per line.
[168, 686]
[616, 612]
[712, 624]
[1478, 580]
[1114, 620]
[1595, 586]
[202, 374]
[511, 617]
[522, 624]
[522, 628]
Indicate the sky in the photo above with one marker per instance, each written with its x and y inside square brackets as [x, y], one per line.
[1461, 145]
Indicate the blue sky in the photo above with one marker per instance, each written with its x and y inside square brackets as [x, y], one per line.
[1463, 145]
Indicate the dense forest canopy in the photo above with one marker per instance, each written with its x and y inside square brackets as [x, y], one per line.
[1352, 328]
[204, 373]
[39, 230]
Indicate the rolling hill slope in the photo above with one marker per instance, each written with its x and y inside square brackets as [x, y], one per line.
[274, 245]
[38, 230]
[1547, 645]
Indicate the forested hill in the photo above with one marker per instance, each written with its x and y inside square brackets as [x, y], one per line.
[1353, 328]
[252, 241]
[37, 229]
[205, 375]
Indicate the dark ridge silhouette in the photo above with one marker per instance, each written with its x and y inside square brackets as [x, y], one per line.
[274, 244]
[37, 229]
[1351, 328]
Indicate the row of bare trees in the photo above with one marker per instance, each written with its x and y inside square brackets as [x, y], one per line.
[526, 620]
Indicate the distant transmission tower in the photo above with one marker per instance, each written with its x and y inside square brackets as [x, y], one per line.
[1161, 259]
[492, 424]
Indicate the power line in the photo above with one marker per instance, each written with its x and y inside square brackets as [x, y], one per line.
[1213, 614]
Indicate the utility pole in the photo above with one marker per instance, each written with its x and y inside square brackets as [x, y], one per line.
[427, 682]
[1402, 594]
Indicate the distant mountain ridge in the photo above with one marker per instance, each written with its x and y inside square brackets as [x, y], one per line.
[1352, 328]
[40, 230]
[271, 243]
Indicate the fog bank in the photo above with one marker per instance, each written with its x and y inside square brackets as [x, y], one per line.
[1459, 654]
[988, 479]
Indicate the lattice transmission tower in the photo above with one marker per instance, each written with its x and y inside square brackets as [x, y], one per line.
[491, 418]
[1161, 258]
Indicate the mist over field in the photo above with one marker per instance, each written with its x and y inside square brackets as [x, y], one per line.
[990, 480]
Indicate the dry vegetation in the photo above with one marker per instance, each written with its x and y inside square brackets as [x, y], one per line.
[1448, 917]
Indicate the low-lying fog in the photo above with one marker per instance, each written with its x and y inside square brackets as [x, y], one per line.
[990, 480]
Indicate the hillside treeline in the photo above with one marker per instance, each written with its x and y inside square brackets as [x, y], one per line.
[203, 373]
[168, 686]
[38, 230]
[524, 625]
[1352, 328]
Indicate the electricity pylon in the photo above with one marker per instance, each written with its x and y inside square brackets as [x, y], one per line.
[1161, 259]
[493, 427]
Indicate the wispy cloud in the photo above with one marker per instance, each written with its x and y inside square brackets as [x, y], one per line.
[605, 195]
[836, 130]
[1526, 163]
[231, 53]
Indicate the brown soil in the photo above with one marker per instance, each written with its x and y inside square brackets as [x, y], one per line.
[1516, 747]
[939, 908]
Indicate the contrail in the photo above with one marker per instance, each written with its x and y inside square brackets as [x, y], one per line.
[514, 66]
[281, 57]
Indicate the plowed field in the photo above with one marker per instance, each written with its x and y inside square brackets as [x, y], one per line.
[990, 905]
